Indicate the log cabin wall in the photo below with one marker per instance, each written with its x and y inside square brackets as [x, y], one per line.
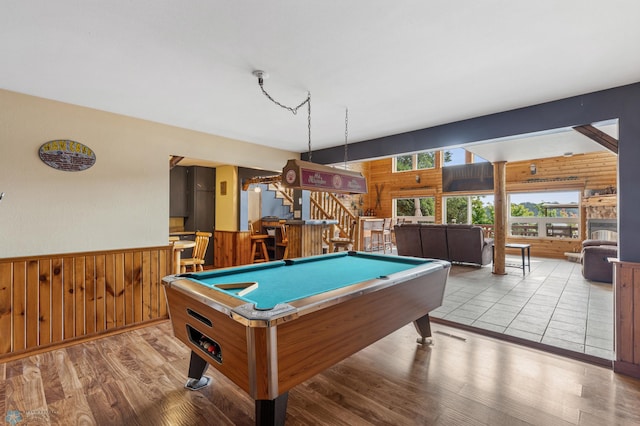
[579, 172]
[49, 301]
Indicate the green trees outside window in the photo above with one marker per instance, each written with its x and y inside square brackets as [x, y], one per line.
[426, 206]
[419, 161]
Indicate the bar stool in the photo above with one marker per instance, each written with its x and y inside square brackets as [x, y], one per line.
[337, 243]
[377, 235]
[259, 251]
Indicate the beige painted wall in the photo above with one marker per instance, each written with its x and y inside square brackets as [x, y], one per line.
[120, 202]
[227, 205]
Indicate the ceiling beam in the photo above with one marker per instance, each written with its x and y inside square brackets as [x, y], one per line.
[598, 136]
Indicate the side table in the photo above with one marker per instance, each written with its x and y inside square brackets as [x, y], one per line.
[523, 248]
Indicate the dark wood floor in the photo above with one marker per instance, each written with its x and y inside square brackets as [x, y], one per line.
[137, 378]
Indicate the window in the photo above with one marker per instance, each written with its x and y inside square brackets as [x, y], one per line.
[426, 160]
[404, 163]
[470, 209]
[419, 161]
[417, 210]
[545, 214]
[457, 209]
[454, 157]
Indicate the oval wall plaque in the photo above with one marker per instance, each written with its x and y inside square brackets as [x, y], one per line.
[66, 155]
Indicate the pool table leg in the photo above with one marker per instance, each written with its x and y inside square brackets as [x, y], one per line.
[197, 367]
[423, 326]
[272, 412]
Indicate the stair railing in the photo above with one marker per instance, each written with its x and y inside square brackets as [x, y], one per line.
[326, 206]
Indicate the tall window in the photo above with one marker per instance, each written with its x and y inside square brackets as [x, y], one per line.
[419, 161]
[457, 209]
[545, 214]
[417, 210]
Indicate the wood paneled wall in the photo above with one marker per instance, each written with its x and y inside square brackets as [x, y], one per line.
[231, 248]
[627, 326]
[51, 300]
[583, 171]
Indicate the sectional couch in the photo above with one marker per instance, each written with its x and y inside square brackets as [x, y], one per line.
[453, 242]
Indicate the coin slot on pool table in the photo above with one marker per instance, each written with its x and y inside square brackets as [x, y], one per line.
[199, 317]
[205, 343]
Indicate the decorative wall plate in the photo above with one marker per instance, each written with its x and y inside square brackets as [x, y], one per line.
[67, 155]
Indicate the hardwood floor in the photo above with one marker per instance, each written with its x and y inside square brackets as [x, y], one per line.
[137, 378]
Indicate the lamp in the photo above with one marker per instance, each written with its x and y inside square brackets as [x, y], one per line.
[533, 169]
[298, 174]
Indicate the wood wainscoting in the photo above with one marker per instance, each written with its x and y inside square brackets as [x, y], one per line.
[231, 248]
[49, 301]
[626, 279]
[554, 248]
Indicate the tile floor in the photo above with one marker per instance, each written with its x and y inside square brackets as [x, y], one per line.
[553, 304]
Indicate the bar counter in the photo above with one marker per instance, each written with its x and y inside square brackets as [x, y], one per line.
[305, 236]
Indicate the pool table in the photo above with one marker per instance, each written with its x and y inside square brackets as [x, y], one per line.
[271, 326]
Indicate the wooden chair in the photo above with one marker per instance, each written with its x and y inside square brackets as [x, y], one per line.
[342, 242]
[259, 251]
[196, 261]
[284, 240]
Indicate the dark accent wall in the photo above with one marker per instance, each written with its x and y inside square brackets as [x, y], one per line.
[201, 204]
[622, 103]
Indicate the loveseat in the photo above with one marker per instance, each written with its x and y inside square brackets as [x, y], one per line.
[453, 242]
[595, 259]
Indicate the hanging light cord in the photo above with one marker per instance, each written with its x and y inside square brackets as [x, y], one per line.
[293, 110]
[346, 135]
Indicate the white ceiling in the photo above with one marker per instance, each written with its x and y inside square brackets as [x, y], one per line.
[555, 143]
[398, 66]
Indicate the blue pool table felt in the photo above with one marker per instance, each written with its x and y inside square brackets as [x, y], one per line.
[285, 281]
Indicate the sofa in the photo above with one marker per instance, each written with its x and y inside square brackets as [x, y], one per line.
[595, 259]
[454, 242]
[408, 242]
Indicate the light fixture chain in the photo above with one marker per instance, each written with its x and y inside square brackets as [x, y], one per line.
[293, 110]
[309, 123]
[346, 136]
[261, 76]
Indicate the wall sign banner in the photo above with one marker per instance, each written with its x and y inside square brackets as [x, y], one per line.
[67, 155]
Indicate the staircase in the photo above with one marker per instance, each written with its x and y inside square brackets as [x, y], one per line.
[325, 205]
[285, 194]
